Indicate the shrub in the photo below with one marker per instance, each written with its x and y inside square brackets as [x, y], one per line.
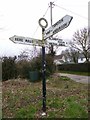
[13, 69]
[8, 68]
[23, 68]
[36, 64]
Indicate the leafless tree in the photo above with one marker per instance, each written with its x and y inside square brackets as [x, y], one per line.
[81, 42]
[71, 55]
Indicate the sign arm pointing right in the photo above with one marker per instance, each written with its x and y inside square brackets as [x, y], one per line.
[58, 26]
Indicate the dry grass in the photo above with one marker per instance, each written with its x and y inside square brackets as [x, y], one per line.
[23, 99]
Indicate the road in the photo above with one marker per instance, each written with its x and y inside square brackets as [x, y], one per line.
[77, 78]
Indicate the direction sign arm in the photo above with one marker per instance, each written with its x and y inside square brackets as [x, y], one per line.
[58, 26]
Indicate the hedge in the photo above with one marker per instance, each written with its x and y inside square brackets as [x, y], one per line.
[79, 67]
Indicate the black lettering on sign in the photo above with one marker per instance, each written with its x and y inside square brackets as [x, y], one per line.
[29, 41]
[19, 39]
[58, 23]
[60, 28]
[48, 32]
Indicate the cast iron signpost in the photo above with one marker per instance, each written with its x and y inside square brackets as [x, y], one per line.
[58, 26]
[43, 64]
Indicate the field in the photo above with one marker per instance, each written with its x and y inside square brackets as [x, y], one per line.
[65, 98]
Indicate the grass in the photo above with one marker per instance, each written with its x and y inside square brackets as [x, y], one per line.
[26, 112]
[65, 99]
[77, 73]
[73, 108]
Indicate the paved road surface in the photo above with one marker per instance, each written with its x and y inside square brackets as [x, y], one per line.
[77, 78]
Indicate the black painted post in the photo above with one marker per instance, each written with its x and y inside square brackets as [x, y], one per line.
[43, 64]
[43, 73]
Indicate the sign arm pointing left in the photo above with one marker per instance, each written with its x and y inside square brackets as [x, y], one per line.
[26, 40]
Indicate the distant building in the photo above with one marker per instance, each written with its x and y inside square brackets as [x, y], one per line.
[82, 59]
[59, 59]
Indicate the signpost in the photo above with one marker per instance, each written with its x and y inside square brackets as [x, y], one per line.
[43, 64]
[58, 26]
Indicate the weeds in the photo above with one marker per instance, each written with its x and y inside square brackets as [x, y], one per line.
[65, 99]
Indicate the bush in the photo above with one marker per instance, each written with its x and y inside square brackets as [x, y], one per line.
[13, 69]
[23, 68]
[36, 64]
[8, 68]
[50, 66]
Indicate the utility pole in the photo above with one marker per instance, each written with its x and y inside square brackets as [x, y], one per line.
[51, 6]
[51, 3]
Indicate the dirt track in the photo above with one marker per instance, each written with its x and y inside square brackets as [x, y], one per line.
[77, 78]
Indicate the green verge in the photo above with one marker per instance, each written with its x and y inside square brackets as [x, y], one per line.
[65, 99]
[77, 73]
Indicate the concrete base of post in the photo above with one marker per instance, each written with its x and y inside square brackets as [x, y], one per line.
[43, 114]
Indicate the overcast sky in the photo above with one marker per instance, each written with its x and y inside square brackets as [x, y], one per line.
[20, 17]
